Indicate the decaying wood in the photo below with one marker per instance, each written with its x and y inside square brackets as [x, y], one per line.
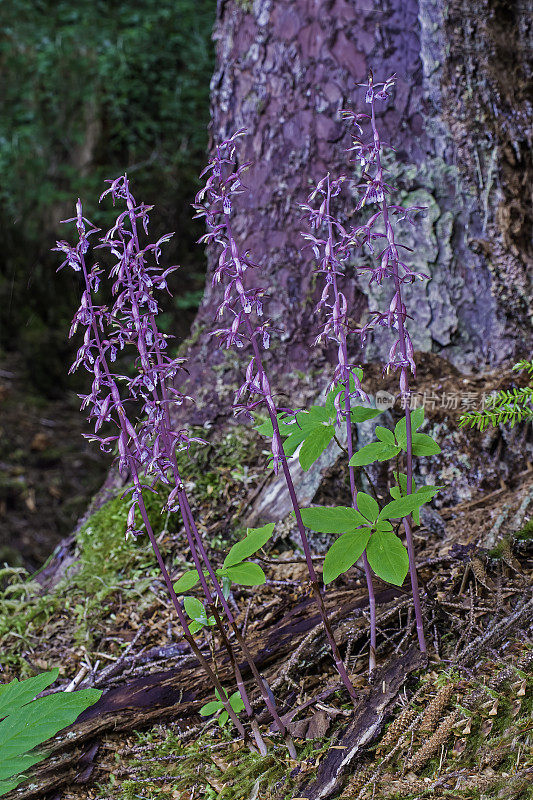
[176, 694]
[366, 724]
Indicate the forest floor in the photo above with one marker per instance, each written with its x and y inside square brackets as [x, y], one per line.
[48, 472]
[459, 725]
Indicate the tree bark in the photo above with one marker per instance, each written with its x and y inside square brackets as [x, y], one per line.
[459, 123]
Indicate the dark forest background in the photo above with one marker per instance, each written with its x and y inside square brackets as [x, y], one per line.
[90, 90]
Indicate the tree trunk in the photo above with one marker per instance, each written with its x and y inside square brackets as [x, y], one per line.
[458, 121]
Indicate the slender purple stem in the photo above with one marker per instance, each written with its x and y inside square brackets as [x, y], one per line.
[404, 387]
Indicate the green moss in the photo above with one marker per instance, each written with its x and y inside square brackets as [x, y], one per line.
[525, 533]
[227, 776]
[107, 569]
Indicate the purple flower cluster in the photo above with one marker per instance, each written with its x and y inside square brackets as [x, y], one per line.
[331, 253]
[380, 226]
[130, 322]
[244, 306]
[152, 447]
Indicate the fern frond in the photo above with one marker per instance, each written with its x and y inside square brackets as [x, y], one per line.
[508, 406]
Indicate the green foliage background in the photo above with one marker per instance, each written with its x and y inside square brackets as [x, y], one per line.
[90, 90]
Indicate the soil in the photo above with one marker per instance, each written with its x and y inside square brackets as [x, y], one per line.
[48, 471]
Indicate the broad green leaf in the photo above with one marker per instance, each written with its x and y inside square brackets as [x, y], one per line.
[367, 506]
[383, 525]
[429, 491]
[362, 413]
[236, 702]
[400, 491]
[332, 520]
[187, 581]
[197, 624]
[377, 451]
[226, 586]
[400, 430]
[195, 609]
[211, 708]
[32, 725]
[315, 444]
[385, 435]
[388, 557]
[9, 767]
[294, 440]
[266, 429]
[401, 479]
[10, 784]
[254, 540]
[343, 554]
[17, 693]
[403, 507]
[424, 493]
[246, 574]
[223, 718]
[424, 445]
[397, 494]
[330, 401]
[312, 416]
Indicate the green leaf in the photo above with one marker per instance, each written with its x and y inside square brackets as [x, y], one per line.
[388, 557]
[400, 430]
[223, 718]
[425, 493]
[424, 445]
[343, 554]
[377, 451]
[226, 586]
[401, 479]
[33, 724]
[332, 520]
[385, 435]
[266, 429]
[187, 581]
[16, 694]
[9, 785]
[362, 413]
[254, 540]
[9, 767]
[236, 702]
[383, 525]
[246, 574]
[367, 506]
[330, 401]
[211, 708]
[195, 609]
[398, 509]
[315, 444]
[294, 440]
[315, 415]
[397, 494]
[197, 624]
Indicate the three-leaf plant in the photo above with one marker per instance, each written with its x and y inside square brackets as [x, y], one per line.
[26, 722]
[313, 428]
[367, 527]
[215, 706]
[235, 569]
[390, 443]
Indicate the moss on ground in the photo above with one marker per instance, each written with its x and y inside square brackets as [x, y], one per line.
[214, 767]
[479, 724]
[108, 571]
